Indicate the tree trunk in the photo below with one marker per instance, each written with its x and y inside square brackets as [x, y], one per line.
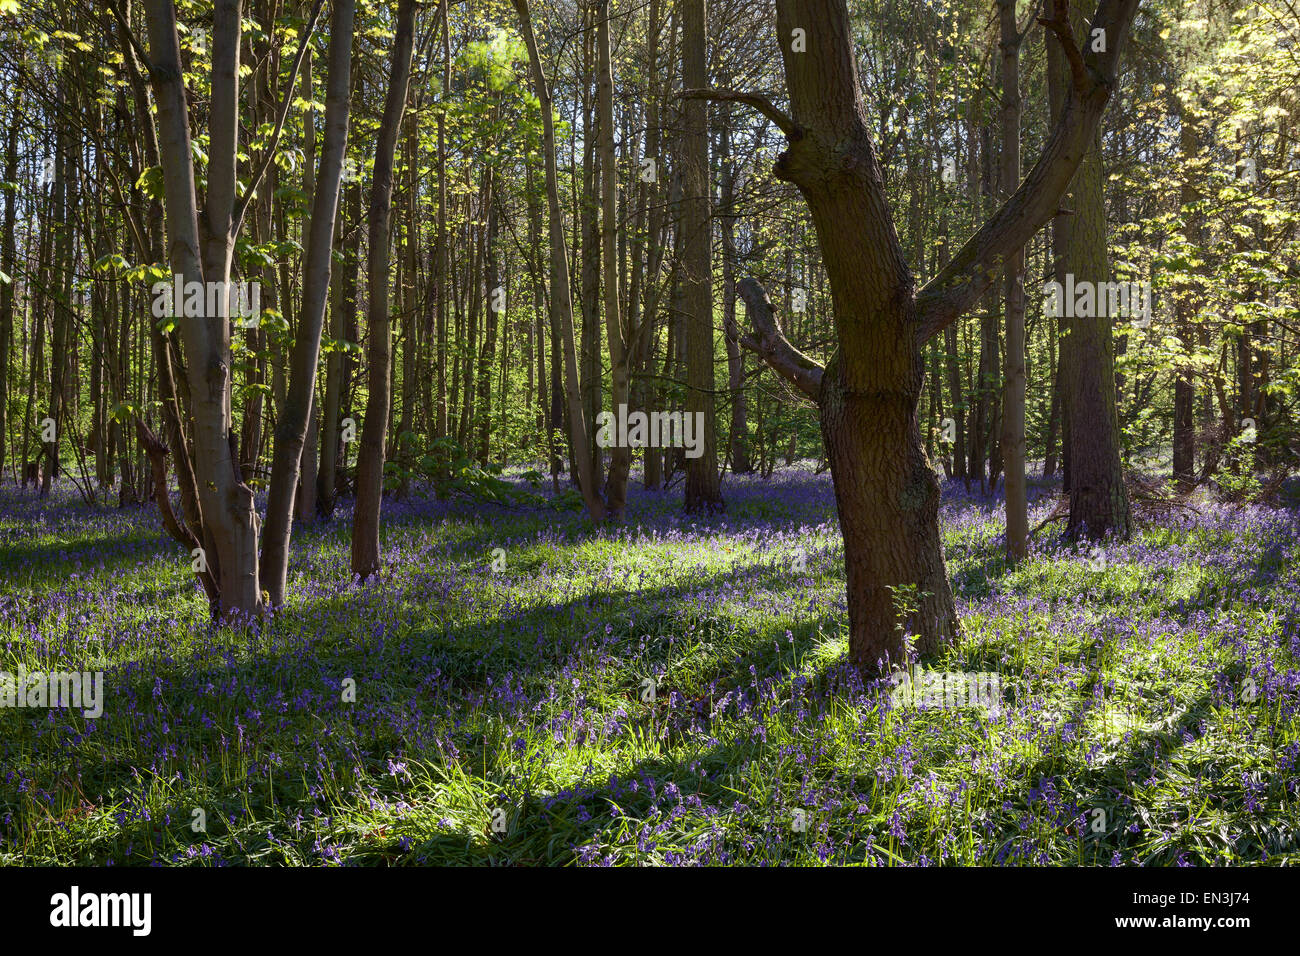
[292, 429]
[492, 279]
[1184, 382]
[868, 395]
[620, 392]
[561, 296]
[703, 491]
[740, 462]
[374, 433]
[8, 255]
[442, 285]
[1099, 503]
[230, 523]
[1013, 405]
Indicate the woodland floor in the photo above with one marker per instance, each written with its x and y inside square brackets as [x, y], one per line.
[518, 695]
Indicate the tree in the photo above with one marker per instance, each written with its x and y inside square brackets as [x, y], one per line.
[1098, 498]
[703, 492]
[201, 248]
[1013, 403]
[619, 346]
[561, 295]
[291, 432]
[886, 492]
[374, 431]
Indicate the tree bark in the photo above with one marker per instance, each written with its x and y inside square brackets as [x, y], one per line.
[620, 391]
[561, 295]
[1099, 503]
[292, 428]
[1013, 404]
[868, 394]
[374, 433]
[1184, 463]
[703, 491]
[8, 255]
[230, 522]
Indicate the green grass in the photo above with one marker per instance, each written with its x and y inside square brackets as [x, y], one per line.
[519, 697]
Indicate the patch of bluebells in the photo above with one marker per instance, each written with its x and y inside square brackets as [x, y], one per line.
[521, 688]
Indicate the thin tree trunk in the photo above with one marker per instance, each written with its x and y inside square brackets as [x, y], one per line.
[703, 489]
[620, 380]
[292, 429]
[561, 298]
[1013, 406]
[370, 464]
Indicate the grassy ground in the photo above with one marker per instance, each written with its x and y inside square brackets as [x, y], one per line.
[509, 716]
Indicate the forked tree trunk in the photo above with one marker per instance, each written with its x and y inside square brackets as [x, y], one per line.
[886, 492]
[230, 523]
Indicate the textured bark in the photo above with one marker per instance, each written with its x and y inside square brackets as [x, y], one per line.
[1013, 404]
[703, 490]
[1099, 503]
[374, 432]
[411, 377]
[620, 380]
[739, 451]
[886, 492]
[492, 278]
[1054, 405]
[8, 255]
[337, 363]
[230, 524]
[62, 197]
[770, 343]
[561, 297]
[297, 414]
[442, 286]
[1184, 463]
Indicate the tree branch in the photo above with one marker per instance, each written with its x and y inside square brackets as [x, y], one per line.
[770, 343]
[156, 450]
[130, 36]
[269, 154]
[979, 263]
[1059, 24]
[759, 102]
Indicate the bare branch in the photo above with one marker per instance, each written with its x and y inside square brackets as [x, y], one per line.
[980, 261]
[269, 154]
[759, 102]
[770, 343]
[1059, 24]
